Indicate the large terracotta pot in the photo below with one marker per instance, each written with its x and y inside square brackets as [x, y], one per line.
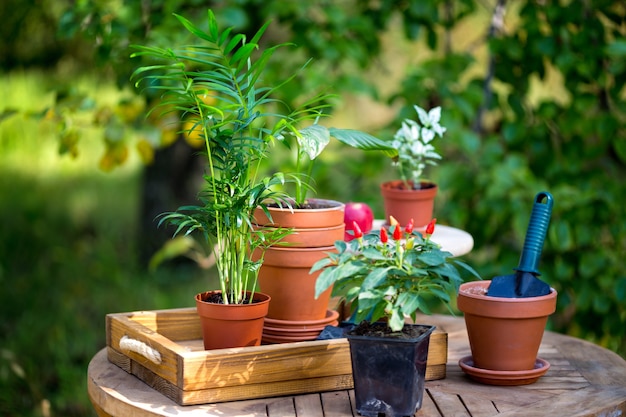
[232, 325]
[285, 276]
[318, 226]
[504, 333]
[404, 204]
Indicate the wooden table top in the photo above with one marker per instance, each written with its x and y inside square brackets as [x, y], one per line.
[584, 380]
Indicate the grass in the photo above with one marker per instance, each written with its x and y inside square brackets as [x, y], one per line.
[68, 245]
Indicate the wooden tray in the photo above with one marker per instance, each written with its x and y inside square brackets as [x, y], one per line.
[164, 349]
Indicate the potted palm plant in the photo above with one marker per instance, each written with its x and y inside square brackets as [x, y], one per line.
[388, 275]
[215, 89]
[412, 196]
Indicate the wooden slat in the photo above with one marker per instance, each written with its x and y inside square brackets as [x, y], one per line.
[448, 404]
[336, 404]
[479, 406]
[190, 375]
[591, 401]
[249, 408]
[308, 405]
[265, 364]
[438, 348]
[120, 325]
[266, 390]
[435, 372]
[174, 324]
[429, 408]
[281, 407]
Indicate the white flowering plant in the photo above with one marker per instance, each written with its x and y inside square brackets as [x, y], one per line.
[413, 143]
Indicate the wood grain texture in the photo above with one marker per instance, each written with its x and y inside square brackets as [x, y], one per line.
[188, 374]
[583, 380]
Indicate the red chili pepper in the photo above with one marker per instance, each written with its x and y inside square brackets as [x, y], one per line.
[384, 237]
[397, 233]
[430, 229]
[357, 230]
[409, 227]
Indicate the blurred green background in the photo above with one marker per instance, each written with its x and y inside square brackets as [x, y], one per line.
[532, 94]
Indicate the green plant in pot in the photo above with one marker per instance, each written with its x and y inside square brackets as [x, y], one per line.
[315, 223]
[217, 84]
[238, 125]
[386, 276]
[412, 196]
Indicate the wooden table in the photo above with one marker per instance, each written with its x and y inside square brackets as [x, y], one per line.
[583, 380]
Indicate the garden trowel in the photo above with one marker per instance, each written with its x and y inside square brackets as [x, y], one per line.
[524, 282]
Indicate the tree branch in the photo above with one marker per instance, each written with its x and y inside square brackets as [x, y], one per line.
[497, 25]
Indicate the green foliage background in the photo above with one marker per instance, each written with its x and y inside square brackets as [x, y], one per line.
[532, 101]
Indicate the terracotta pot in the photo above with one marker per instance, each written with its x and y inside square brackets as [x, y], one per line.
[232, 325]
[313, 227]
[405, 204]
[285, 276]
[285, 331]
[504, 333]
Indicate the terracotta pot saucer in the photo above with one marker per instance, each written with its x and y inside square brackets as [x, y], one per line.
[284, 331]
[331, 315]
[504, 378]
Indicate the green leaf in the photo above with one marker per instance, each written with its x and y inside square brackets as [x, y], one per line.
[193, 29]
[321, 264]
[467, 268]
[619, 144]
[410, 303]
[174, 248]
[243, 53]
[433, 258]
[375, 278]
[361, 140]
[617, 48]
[233, 42]
[313, 139]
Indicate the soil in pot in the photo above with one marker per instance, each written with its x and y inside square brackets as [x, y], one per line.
[389, 368]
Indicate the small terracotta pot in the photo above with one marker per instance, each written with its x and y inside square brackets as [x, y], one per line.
[285, 276]
[504, 333]
[405, 205]
[232, 325]
[314, 227]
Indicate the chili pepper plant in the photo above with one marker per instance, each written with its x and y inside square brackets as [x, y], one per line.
[390, 272]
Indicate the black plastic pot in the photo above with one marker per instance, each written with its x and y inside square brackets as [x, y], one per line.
[389, 373]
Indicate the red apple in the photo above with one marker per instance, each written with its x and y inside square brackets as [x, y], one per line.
[360, 213]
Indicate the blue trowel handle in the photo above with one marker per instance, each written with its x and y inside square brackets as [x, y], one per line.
[536, 233]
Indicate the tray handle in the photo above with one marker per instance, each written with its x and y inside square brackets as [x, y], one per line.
[134, 345]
